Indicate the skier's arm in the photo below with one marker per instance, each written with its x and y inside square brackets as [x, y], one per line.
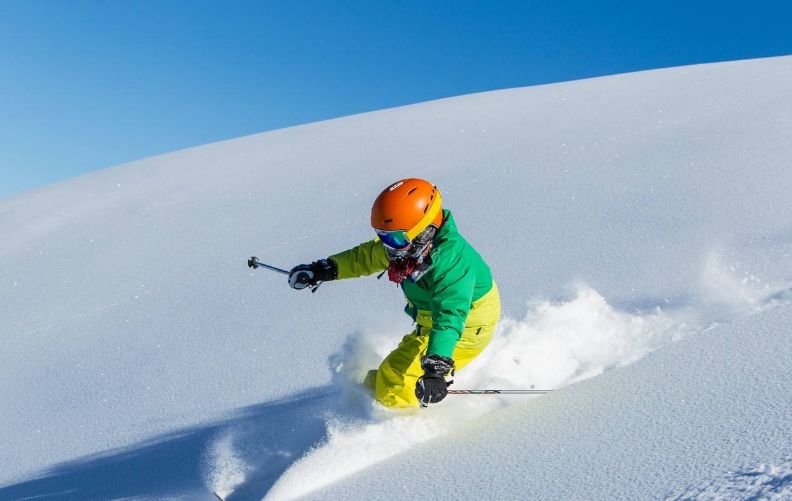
[364, 259]
[452, 297]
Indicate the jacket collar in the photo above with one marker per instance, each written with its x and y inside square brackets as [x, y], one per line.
[448, 226]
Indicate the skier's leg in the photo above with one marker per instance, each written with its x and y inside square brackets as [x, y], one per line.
[399, 372]
[472, 343]
[479, 328]
[370, 381]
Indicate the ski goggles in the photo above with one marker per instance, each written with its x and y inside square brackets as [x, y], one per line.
[395, 239]
[397, 242]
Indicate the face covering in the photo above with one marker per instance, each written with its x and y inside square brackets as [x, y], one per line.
[411, 265]
[413, 261]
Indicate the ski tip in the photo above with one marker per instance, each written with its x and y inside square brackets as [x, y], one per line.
[218, 496]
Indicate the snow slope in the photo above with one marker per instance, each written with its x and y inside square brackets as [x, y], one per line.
[140, 358]
[707, 418]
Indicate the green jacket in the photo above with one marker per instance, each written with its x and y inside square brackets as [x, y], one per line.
[457, 277]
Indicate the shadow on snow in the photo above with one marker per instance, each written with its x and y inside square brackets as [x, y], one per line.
[271, 436]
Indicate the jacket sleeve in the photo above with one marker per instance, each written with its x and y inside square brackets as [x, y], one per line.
[452, 296]
[365, 259]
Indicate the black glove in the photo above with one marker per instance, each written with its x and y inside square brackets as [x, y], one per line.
[432, 387]
[304, 275]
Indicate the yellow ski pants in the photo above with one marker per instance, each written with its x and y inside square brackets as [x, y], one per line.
[394, 382]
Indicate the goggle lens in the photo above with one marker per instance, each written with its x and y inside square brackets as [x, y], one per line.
[396, 239]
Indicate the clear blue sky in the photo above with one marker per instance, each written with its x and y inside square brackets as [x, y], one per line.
[90, 84]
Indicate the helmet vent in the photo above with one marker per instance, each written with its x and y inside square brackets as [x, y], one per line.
[411, 191]
[426, 209]
[388, 221]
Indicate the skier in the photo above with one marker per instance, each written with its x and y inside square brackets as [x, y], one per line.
[450, 293]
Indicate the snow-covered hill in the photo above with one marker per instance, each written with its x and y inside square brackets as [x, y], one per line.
[633, 215]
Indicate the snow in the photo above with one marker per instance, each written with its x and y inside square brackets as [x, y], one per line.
[638, 227]
[765, 481]
[676, 424]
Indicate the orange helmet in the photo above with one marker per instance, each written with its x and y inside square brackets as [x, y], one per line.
[409, 206]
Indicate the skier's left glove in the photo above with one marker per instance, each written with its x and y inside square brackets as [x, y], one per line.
[304, 275]
[432, 386]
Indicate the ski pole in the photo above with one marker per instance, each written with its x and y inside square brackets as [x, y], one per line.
[253, 262]
[498, 392]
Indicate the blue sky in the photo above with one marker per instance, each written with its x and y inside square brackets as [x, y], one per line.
[91, 84]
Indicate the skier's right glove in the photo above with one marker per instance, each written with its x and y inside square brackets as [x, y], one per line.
[432, 386]
[309, 275]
